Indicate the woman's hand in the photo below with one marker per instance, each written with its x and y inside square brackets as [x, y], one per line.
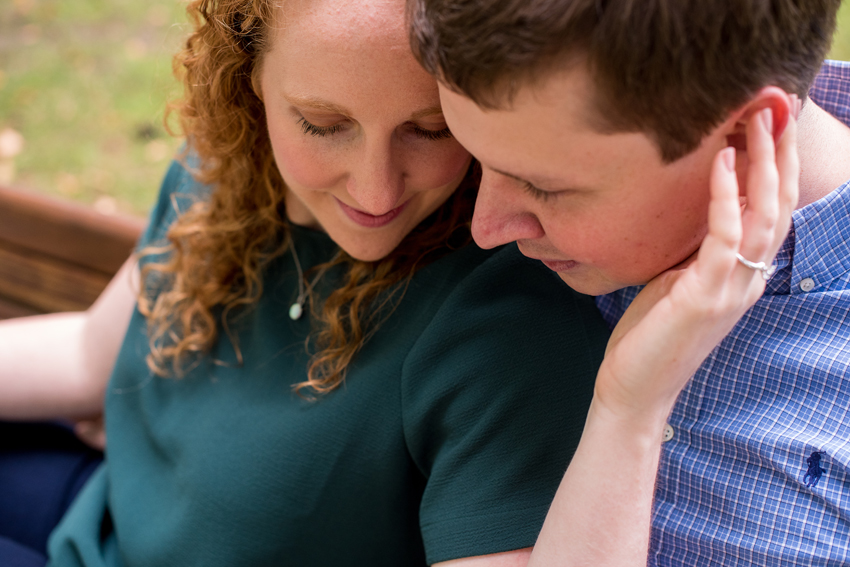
[91, 432]
[682, 314]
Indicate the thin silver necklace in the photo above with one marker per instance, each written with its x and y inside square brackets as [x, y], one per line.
[297, 308]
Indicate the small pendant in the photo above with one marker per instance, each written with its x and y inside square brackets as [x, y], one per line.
[295, 311]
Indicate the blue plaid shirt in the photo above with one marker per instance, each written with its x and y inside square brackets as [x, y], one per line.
[732, 484]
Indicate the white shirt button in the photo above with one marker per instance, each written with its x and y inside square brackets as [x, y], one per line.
[808, 284]
[668, 432]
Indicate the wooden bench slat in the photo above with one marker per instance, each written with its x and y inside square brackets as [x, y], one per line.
[68, 231]
[9, 310]
[40, 283]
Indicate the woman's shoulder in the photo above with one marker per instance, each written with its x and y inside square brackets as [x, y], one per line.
[179, 191]
[500, 279]
[502, 303]
[494, 395]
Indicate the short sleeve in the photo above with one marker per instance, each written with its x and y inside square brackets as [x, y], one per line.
[178, 190]
[495, 396]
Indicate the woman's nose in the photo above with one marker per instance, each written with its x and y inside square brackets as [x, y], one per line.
[376, 181]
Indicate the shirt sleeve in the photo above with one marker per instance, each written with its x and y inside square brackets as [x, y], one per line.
[177, 192]
[495, 395]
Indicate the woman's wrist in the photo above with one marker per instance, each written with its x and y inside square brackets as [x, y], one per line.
[640, 423]
[637, 404]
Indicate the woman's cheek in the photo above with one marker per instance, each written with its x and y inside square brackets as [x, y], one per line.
[305, 164]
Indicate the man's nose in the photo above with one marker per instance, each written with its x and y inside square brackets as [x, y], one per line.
[376, 182]
[501, 215]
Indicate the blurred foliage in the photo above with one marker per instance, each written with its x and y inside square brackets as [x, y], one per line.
[85, 82]
[841, 43]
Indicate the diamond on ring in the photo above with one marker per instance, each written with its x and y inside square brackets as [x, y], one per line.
[766, 271]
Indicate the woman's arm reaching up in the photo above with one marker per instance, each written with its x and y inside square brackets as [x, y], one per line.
[601, 514]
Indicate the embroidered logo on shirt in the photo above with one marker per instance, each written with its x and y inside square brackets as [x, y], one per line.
[815, 471]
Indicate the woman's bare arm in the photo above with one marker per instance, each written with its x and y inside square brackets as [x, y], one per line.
[57, 365]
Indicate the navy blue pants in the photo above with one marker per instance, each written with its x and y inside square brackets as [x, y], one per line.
[42, 468]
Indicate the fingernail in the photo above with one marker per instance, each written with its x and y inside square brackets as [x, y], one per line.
[729, 159]
[767, 120]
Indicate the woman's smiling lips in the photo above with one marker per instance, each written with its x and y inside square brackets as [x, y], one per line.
[371, 221]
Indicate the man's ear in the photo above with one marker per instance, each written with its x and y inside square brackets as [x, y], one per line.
[781, 104]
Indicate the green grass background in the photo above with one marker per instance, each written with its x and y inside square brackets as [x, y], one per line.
[84, 82]
[841, 42]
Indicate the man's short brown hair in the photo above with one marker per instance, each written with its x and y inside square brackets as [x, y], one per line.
[672, 69]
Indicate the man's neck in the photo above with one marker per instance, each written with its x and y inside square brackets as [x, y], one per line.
[824, 148]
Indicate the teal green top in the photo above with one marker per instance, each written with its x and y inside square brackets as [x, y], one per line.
[448, 438]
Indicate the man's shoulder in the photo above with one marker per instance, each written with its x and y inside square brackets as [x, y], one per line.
[613, 305]
[831, 89]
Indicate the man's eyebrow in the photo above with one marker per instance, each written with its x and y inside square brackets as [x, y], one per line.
[548, 184]
[512, 176]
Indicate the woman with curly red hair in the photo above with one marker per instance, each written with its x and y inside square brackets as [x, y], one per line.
[320, 367]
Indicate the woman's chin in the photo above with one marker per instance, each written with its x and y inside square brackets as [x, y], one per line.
[368, 254]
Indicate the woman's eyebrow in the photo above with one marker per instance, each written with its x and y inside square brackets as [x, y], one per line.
[317, 103]
[322, 104]
[426, 112]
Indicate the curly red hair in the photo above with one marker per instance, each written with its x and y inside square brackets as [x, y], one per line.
[217, 250]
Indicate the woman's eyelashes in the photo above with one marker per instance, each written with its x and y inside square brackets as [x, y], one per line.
[322, 131]
[443, 134]
[313, 130]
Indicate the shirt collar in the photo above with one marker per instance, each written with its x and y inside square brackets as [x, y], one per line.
[820, 241]
[818, 247]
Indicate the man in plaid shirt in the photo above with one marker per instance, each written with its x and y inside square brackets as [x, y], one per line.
[603, 128]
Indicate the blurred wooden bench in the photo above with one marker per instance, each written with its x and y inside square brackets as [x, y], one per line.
[56, 255]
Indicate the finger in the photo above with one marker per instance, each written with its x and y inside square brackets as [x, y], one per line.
[716, 258]
[762, 211]
[760, 220]
[788, 165]
[796, 105]
[91, 433]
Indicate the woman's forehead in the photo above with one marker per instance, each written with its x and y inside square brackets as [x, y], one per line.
[343, 19]
[353, 63]
[336, 38]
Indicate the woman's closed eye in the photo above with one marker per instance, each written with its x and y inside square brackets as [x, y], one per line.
[315, 130]
[321, 131]
[442, 134]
